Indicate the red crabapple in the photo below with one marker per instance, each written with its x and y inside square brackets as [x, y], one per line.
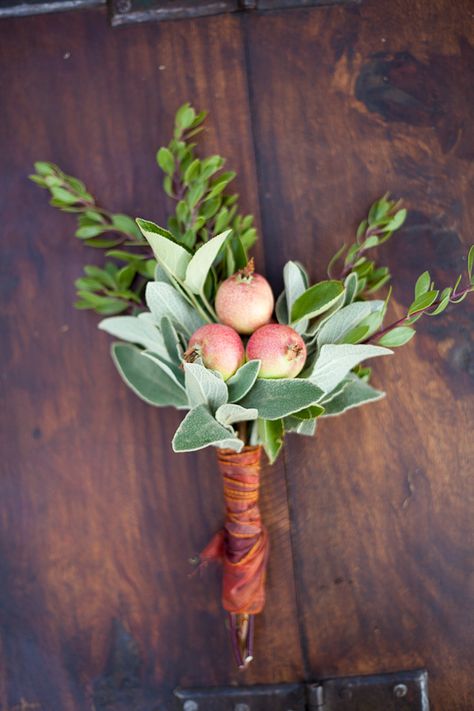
[219, 346]
[281, 350]
[245, 300]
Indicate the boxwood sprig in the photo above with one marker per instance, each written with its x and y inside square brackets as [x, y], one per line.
[203, 209]
[385, 216]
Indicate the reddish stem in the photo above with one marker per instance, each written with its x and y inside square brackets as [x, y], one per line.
[393, 325]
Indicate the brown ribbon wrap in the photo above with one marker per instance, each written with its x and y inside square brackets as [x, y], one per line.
[242, 545]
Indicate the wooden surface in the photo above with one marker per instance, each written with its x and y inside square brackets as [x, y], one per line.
[320, 111]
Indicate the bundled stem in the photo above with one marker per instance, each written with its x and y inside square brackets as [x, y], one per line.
[241, 546]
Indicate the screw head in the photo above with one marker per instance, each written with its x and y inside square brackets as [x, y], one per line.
[190, 706]
[399, 691]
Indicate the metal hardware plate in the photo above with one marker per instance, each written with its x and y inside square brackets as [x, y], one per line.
[281, 697]
[125, 11]
[401, 691]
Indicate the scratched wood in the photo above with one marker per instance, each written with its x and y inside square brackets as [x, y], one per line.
[98, 518]
[348, 103]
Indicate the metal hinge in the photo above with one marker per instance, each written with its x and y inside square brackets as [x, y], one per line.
[401, 691]
[125, 11]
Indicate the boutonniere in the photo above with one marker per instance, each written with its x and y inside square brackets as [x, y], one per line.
[198, 329]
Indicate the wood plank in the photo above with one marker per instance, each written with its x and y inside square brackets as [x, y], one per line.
[98, 517]
[348, 103]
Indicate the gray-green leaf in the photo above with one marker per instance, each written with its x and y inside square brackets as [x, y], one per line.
[242, 380]
[147, 378]
[201, 262]
[277, 398]
[345, 320]
[134, 329]
[356, 393]
[163, 300]
[271, 435]
[199, 429]
[229, 413]
[295, 286]
[203, 386]
[335, 361]
[171, 256]
[316, 300]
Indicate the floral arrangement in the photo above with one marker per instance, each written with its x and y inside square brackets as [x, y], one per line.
[198, 329]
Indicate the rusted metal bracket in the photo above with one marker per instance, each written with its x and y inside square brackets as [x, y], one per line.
[401, 691]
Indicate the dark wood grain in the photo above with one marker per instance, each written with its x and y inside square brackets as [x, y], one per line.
[364, 100]
[98, 518]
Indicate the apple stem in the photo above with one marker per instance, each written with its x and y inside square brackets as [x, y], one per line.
[248, 271]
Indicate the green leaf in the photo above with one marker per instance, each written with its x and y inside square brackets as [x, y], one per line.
[203, 386]
[356, 393]
[185, 116]
[271, 436]
[202, 261]
[199, 429]
[301, 427]
[240, 254]
[295, 286]
[370, 242]
[171, 256]
[147, 378]
[334, 259]
[443, 304]
[192, 171]
[281, 309]
[316, 300]
[422, 284]
[135, 329]
[229, 413]
[38, 180]
[309, 413]
[125, 224]
[423, 301]
[110, 306]
[164, 300]
[277, 398]
[125, 276]
[91, 231]
[171, 340]
[64, 195]
[397, 220]
[397, 337]
[470, 262]
[44, 168]
[165, 160]
[351, 285]
[357, 334]
[243, 380]
[336, 329]
[335, 361]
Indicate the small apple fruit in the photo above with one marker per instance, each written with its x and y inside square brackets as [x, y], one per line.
[281, 350]
[219, 346]
[245, 300]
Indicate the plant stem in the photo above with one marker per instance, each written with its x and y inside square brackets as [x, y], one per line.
[381, 332]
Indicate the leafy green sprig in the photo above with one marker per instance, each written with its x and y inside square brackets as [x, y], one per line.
[384, 218]
[96, 226]
[427, 301]
[203, 208]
